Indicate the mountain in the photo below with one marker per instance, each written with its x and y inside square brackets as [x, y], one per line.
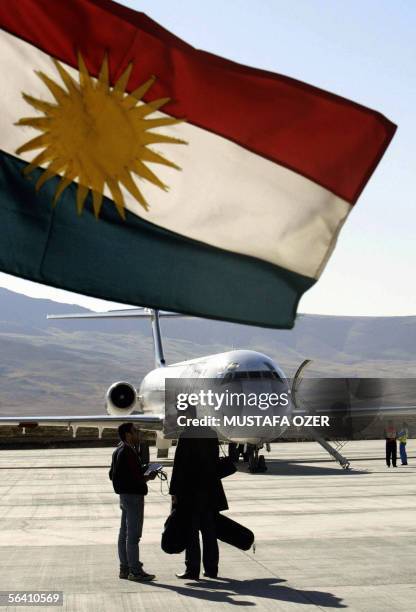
[65, 366]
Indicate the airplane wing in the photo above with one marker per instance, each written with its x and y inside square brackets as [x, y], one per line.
[385, 411]
[150, 422]
[364, 410]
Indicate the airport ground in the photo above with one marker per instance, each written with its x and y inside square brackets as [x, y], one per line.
[326, 539]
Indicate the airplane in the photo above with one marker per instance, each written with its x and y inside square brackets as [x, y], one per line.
[145, 406]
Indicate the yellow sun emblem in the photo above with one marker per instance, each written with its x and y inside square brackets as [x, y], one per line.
[97, 134]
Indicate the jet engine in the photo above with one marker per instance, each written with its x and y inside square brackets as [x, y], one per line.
[121, 399]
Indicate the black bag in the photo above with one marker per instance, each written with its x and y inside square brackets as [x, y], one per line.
[233, 533]
[174, 533]
[225, 467]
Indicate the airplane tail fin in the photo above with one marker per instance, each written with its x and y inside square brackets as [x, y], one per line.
[131, 313]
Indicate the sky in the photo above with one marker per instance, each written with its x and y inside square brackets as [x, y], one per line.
[363, 50]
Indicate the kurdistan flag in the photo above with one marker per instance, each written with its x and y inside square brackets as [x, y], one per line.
[202, 186]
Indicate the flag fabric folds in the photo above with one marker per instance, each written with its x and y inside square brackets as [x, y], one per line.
[202, 186]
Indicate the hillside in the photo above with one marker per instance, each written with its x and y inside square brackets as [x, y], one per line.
[66, 366]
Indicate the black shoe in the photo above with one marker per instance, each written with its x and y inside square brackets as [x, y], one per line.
[142, 576]
[404, 463]
[124, 572]
[188, 576]
[211, 574]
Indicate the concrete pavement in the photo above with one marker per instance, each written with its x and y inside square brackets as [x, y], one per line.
[325, 539]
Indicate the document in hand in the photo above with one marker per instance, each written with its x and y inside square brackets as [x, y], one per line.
[153, 467]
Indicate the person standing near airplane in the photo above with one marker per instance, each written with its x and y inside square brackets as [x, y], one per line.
[130, 482]
[390, 435]
[403, 436]
[197, 491]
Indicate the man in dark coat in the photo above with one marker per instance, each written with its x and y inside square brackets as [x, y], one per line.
[197, 491]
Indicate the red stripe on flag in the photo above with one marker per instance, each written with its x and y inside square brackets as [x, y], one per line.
[328, 139]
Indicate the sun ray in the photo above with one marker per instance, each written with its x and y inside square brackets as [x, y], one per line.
[117, 196]
[84, 75]
[155, 158]
[151, 138]
[154, 123]
[66, 77]
[65, 181]
[82, 193]
[120, 85]
[135, 96]
[149, 107]
[46, 176]
[38, 123]
[131, 186]
[41, 158]
[40, 105]
[144, 172]
[97, 201]
[56, 90]
[35, 143]
[51, 171]
[97, 189]
[97, 136]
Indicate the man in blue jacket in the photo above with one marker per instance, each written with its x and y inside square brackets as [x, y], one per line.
[129, 481]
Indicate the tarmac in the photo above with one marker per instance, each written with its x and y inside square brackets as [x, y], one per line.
[326, 539]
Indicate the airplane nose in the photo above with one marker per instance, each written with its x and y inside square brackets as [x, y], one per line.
[260, 413]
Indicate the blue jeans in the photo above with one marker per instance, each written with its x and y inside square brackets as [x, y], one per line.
[403, 454]
[131, 527]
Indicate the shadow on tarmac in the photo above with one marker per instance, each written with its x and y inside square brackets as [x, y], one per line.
[224, 590]
[283, 468]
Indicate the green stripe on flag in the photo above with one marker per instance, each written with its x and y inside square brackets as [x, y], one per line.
[133, 261]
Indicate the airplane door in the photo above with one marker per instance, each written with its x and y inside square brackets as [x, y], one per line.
[297, 380]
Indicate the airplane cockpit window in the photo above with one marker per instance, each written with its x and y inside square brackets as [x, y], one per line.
[252, 375]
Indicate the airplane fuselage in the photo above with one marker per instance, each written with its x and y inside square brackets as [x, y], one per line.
[252, 371]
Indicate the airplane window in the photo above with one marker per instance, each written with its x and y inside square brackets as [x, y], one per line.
[273, 372]
[251, 375]
[241, 375]
[255, 375]
[275, 375]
